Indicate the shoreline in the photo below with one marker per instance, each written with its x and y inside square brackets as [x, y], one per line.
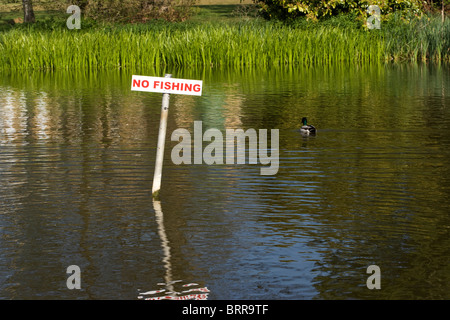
[231, 41]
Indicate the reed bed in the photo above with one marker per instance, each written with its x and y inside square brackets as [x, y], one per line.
[258, 44]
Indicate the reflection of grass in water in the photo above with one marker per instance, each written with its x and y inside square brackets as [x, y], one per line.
[50, 45]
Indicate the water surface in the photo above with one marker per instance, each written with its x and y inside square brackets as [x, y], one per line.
[77, 156]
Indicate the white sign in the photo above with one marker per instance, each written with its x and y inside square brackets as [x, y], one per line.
[166, 85]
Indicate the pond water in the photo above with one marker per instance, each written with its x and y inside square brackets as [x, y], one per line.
[77, 155]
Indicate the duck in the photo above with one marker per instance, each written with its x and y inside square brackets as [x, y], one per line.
[307, 129]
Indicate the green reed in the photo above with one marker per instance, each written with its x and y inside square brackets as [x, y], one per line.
[259, 44]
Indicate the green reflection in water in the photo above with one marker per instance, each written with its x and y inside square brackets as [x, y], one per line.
[77, 153]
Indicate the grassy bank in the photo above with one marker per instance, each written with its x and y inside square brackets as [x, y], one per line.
[250, 42]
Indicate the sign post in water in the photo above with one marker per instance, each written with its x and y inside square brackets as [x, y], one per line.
[166, 86]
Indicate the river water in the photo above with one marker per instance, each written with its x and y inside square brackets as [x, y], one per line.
[77, 155]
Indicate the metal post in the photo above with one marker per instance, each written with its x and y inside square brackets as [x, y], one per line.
[161, 140]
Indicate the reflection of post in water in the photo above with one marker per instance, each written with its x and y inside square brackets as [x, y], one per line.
[190, 291]
[164, 244]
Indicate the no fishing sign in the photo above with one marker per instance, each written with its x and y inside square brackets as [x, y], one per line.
[166, 85]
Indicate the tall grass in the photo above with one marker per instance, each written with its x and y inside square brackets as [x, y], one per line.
[257, 43]
[426, 39]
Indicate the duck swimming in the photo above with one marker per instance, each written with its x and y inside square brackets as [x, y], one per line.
[307, 129]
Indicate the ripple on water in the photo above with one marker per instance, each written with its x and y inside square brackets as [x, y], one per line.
[176, 290]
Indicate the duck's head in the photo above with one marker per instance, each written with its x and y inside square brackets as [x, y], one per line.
[304, 121]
